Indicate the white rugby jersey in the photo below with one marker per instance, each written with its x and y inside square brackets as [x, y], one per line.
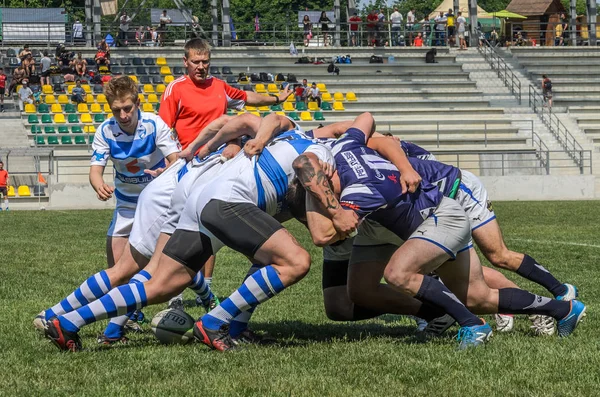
[132, 154]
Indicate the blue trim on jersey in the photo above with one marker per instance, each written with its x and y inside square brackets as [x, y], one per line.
[309, 133]
[469, 192]
[436, 244]
[260, 190]
[137, 148]
[274, 172]
[184, 170]
[484, 223]
[123, 197]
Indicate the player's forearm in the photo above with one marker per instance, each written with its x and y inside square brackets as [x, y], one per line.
[388, 147]
[271, 126]
[254, 99]
[314, 180]
[235, 128]
[96, 176]
[209, 132]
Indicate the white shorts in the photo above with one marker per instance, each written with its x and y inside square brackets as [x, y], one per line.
[154, 203]
[122, 220]
[473, 197]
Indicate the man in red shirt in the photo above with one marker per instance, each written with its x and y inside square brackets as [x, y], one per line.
[2, 88]
[3, 184]
[191, 102]
[354, 22]
[372, 20]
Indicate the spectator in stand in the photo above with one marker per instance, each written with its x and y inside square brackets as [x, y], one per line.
[78, 93]
[162, 31]
[494, 38]
[451, 28]
[77, 32]
[558, 31]
[354, 20]
[461, 22]
[4, 179]
[24, 53]
[440, 29]
[101, 58]
[547, 90]
[63, 56]
[139, 35]
[17, 78]
[299, 93]
[103, 46]
[418, 42]
[25, 95]
[324, 21]
[29, 65]
[372, 20]
[3, 78]
[124, 22]
[304, 90]
[45, 64]
[396, 20]
[381, 30]
[428, 29]
[155, 37]
[411, 18]
[307, 27]
[314, 94]
[148, 37]
[79, 65]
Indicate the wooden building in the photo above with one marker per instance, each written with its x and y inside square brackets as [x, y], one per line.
[542, 18]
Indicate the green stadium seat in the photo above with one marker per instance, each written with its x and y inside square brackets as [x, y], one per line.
[63, 129]
[36, 129]
[52, 140]
[325, 106]
[157, 107]
[301, 106]
[70, 108]
[91, 138]
[39, 140]
[76, 129]
[99, 118]
[66, 140]
[319, 116]
[33, 119]
[265, 114]
[46, 119]
[80, 140]
[72, 118]
[43, 108]
[49, 129]
[294, 116]
[276, 108]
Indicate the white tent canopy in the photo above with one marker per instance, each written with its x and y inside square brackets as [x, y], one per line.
[463, 7]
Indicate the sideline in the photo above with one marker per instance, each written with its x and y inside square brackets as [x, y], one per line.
[553, 242]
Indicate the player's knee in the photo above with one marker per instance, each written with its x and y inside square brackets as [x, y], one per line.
[397, 277]
[298, 262]
[338, 307]
[500, 258]
[119, 274]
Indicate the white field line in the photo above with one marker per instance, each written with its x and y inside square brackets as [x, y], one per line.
[554, 242]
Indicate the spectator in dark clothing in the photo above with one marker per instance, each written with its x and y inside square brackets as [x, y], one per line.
[324, 21]
[78, 93]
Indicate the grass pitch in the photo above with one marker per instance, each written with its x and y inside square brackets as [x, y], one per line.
[45, 255]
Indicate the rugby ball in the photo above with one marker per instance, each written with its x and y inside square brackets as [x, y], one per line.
[173, 326]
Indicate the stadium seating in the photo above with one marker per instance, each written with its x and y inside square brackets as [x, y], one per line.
[52, 140]
[56, 108]
[326, 97]
[294, 116]
[260, 88]
[350, 96]
[46, 119]
[99, 118]
[49, 129]
[23, 191]
[301, 106]
[147, 107]
[63, 129]
[338, 96]
[313, 106]
[148, 89]
[70, 108]
[36, 129]
[11, 191]
[160, 61]
[86, 118]
[80, 140]
[47, 89]
[59, 118]
[72, 118]
[29, 108]
[169, 79]
[101, 99]
[39, 140]
[63, 99]
[319, 116]
[49, 99]
[66, 140]
[160, 88]
[338, 106]
[33, 119]
[305, 116]
[288, 107]
[83, 108]
[165, 70]
[272, 88]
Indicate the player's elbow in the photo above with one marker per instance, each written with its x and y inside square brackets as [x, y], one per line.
[323, 239]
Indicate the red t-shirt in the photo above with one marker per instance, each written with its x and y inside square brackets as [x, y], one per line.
[418, 41]
[354, 23]
[3, 178]
[372, 20]
[2, 81]
[188, 107]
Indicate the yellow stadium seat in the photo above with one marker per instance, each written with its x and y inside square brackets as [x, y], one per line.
[305, 116]
[106, 108]
[56, 108]
[250, 108]
[152, 98]
[89, 98]
[272, 88]
[86, 118]
[338, 106]
[288, 106]
[87, 88]
[109, 115]
[240, 112]
[161, 61]
[280, 113]
[24, 191]
[291, 98]
[260, 88]
[327, 97]
[134, 78]
[148, 89]
[160, 88]
[169, 79]
[255, 113]
[47, 89]
[96, 108]
[142, 98]
[50, 99]
[165, 70]
[70, 89]
[322, 87]
[101, 98]
[11, 191]
[63, 99]
[59, 118]
[29, 108]
[264, 109]
[147, 107]
[90, 129]
[83, 108]
[338, 96]
[313, 106]
[350, 96]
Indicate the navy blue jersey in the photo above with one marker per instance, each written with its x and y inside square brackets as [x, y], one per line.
[444, 176]
[412, 150]
[371, 187]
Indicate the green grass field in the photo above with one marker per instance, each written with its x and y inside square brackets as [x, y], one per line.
[45, 255]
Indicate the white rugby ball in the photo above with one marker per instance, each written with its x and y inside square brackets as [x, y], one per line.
[173, 326]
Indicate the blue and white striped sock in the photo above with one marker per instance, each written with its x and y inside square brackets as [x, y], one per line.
[240, 322]
[93, 288]
[114, 329]
[201, 288]
[118, 301]
[258, 288]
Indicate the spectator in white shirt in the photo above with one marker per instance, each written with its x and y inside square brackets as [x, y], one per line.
[77, 31]
[396, 20]
[25, 95]
[410, 24]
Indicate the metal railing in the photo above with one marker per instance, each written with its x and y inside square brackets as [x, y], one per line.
[538, 103]
[505, 73]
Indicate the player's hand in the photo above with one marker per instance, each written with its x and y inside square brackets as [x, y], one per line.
[285, 93]
[155, 173]
[104, 192]
[410, 181]
[253, 147]
[328, 169]
[186, 154]
[345, 222]
[230, 151]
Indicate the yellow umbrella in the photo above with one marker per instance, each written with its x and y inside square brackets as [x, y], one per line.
[508, 15]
